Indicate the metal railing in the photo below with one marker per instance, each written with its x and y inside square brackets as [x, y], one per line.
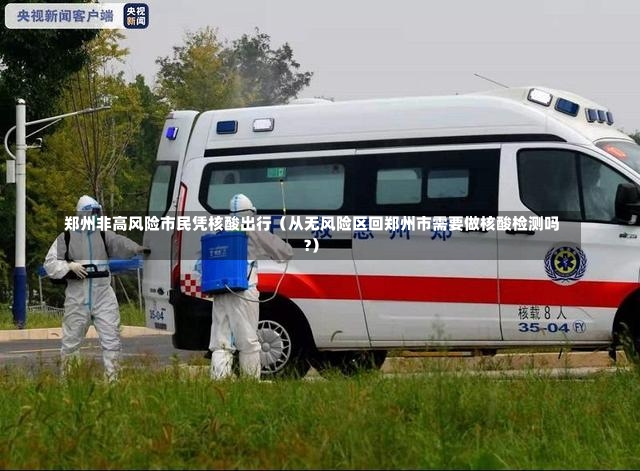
[58, 311]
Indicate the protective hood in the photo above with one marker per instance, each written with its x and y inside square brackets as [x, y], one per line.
[240, 203]
[87, 206]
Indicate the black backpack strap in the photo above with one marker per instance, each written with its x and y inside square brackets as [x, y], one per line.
[104, 239]
[67, 236]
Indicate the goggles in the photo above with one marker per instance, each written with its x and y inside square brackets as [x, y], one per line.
[94, 209]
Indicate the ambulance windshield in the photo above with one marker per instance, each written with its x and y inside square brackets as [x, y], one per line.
[625, 151]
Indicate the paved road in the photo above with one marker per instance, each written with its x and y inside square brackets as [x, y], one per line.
[47, 351]
[42, 350]
[31, 348]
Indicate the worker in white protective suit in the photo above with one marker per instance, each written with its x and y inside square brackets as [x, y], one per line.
[82, 258]
[234, 323]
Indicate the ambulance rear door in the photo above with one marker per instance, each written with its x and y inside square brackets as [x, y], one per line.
[156, 281]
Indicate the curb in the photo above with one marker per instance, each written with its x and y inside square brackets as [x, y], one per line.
[55, 333]
[516, 361]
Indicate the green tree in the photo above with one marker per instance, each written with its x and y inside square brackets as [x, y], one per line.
[206, 73]
[87, 154]
[266, 76]
[93, 146]
[141, 155]
[33, 66]
[196, 77]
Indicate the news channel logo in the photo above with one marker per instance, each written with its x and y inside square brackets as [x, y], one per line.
[136, 15]
[77, 15]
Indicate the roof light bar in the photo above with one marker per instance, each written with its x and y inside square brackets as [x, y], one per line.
[592, 115]
[602, 116]
[540, 97]
[609, 118]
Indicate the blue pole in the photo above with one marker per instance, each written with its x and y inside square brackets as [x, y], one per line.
[20, 297]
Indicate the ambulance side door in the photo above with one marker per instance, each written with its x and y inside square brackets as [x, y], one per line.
[431, 285]
[565, 284]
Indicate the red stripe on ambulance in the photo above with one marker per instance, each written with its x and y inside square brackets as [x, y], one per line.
[583, 293]
[450, 289]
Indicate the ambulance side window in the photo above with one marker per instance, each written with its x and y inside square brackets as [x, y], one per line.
[308, 184]
[548, 183]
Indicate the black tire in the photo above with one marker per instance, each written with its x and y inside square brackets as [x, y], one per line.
[286, 341]
[349, 363]
[629, 338]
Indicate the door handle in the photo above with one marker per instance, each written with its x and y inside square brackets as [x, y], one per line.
[523, 232]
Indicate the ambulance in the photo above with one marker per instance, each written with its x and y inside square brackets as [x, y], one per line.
[518, 212]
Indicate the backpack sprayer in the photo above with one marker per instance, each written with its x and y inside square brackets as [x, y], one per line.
[225, 258]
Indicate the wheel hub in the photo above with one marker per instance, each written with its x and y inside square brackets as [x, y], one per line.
[275, 344]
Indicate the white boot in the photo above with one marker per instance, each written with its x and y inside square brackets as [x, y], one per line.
[221, 364]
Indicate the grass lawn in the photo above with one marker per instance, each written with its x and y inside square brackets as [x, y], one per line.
[176, 418]
[130, 314]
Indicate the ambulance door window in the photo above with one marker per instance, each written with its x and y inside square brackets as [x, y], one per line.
[161, 189]
[599, 184]
[462, 183]
[399, 186]
[548, 182]
[448, 183]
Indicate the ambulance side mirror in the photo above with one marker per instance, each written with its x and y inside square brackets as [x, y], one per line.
[627, 202]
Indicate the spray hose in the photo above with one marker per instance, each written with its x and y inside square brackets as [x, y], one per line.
[286, 266]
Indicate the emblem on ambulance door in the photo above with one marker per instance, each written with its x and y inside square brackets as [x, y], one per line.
[565, 265]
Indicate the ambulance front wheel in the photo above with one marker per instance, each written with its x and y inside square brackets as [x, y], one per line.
[285, 339]
[626, 329]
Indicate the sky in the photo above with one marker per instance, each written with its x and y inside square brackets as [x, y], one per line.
[376, 49]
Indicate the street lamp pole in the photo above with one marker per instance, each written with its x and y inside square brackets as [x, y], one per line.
[20, 270]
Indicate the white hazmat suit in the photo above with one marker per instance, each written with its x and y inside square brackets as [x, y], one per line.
[89, 299]
[235, 317]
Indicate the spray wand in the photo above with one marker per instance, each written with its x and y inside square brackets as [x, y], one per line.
[286, 266]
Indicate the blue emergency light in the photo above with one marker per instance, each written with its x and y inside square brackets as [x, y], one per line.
[567, 107]
[172, 133]
[224, 262]
[226, 127]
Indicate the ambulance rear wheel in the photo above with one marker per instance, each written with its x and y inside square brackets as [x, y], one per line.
[284, 342]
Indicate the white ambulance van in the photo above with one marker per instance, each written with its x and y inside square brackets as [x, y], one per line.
[525, 202]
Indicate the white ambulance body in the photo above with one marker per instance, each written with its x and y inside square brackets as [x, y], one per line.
[527, 153]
